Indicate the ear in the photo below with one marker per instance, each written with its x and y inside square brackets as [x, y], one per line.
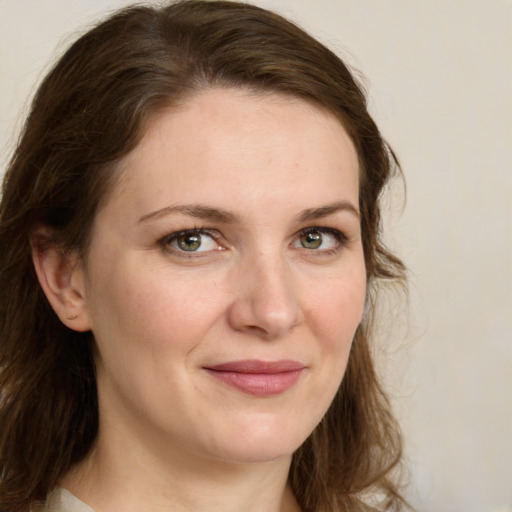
[61, 277]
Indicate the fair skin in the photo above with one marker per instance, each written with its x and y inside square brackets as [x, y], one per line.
[270, 271]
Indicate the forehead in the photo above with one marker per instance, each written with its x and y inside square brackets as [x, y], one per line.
[226, 140]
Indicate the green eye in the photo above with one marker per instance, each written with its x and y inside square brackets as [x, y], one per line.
[190, 242]
[320, 240]
[311, 240]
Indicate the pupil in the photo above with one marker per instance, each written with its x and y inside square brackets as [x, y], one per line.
[311, 240]
[189, 242]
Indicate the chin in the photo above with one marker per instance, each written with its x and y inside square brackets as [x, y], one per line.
[257, 454]
[263, 444]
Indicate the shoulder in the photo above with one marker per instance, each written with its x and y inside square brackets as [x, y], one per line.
[61, 500]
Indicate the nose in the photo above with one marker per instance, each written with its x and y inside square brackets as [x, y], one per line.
[265, 302]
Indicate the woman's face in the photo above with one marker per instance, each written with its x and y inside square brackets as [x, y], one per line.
[225, 278]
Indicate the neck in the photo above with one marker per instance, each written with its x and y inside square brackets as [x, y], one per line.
[138, 476]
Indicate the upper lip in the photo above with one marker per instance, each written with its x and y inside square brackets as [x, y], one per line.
[257, 366]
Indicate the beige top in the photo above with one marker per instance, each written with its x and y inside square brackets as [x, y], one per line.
[61, 500]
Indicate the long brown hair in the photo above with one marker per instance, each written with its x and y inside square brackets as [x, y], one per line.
[89, 112]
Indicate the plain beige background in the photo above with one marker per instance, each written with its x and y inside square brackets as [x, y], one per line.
[439, 76]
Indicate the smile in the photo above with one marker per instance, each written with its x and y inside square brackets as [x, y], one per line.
[259, 378]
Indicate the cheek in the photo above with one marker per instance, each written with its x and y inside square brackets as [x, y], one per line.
[152, 308]
[334, 315]
[337, 311]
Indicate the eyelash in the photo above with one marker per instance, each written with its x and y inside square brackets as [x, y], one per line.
[340, 237]
[166, 241]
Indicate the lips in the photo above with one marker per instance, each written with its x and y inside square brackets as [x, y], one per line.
[259, 378]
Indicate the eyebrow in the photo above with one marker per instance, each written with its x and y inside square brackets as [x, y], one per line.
[226, 217]
[193, 210]
[324, 211]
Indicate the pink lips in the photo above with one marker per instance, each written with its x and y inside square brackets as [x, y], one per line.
[260, 378]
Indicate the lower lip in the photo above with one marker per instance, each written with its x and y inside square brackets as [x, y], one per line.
[258, 384]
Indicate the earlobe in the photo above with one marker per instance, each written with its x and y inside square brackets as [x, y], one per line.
[61, 278]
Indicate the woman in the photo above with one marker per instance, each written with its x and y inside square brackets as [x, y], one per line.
[189, 251]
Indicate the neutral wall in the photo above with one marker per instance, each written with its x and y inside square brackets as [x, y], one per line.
[439, 78]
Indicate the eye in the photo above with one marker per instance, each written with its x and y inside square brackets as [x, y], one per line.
[192, 240]
[320, 239]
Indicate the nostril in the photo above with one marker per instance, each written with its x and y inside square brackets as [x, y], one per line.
[257, 330]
